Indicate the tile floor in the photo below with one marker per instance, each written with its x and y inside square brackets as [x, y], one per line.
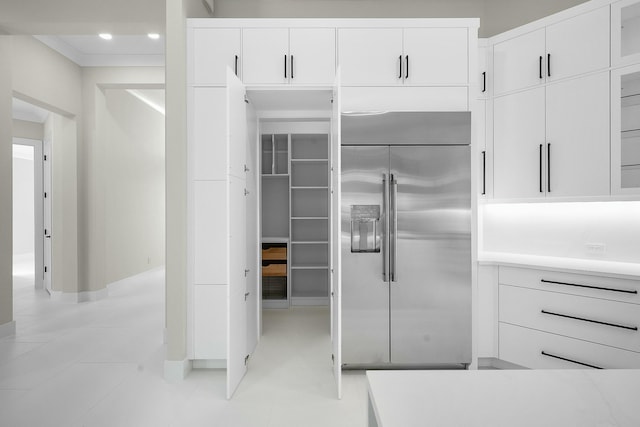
[101, 364]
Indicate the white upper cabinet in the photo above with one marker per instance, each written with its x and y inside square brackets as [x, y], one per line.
[625, 32]
[266, 55]
[571, 47]
[553, 141]
[518, 62]
[214, 49]
[410, 56]
[300, 56]
[519, 145]
[313, 56]
[370, 56]
[436, 56]
[483, 71]
[578, 45]
[577, 124]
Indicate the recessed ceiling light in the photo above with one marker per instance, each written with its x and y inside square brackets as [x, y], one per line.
[105, 36]
[154, 36]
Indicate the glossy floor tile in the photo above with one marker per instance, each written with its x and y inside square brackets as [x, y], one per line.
[101, 364]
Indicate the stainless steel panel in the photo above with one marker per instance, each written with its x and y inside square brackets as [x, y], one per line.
[365, 294]
[406, 128]
[431, 300]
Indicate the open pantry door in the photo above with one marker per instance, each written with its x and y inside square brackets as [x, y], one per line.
[335, 238]
[237, 355]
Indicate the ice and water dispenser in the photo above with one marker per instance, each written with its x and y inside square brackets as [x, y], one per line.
[365, 224]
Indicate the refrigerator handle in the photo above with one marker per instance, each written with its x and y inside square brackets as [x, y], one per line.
[393, 237]
[385, 228]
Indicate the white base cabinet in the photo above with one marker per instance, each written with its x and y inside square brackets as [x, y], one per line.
[550, 319]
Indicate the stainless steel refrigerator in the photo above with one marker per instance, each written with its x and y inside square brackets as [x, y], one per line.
[406, 240]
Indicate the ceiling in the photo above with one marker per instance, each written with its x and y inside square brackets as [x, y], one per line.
[122, 50]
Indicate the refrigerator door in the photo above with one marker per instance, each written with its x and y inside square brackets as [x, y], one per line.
[365, 291]
[430, 297]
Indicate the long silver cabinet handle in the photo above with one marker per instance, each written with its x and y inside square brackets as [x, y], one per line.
[394, 229]
[544, 353]
[584, 319]
[385, 228]
[626, 291]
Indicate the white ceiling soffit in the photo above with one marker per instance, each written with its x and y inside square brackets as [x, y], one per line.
[28, 112]
[121, 51]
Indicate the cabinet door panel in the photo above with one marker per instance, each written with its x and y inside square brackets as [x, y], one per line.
[210, 322]
[578, 131]
[313, 56]
[370, 57]
[578, 45]
[518, 132]
[263, 51]
[210, 233]
[437, 56]
[214, 49]
[516, 62]
[236, 127]
[207, 133]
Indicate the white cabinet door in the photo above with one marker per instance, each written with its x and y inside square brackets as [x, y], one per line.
[236, 129]
[312, 56]
[578, 45]
[479, 121]
[436, 56]
[265, 54]
[253, 222]
[370, 56]
[335, 234]
[519, 134]
[578, 137]
[519, 62]
[210, 233]
[207, 133]
[236, 207]
[210, 322]
[483, 53]
[214, 49]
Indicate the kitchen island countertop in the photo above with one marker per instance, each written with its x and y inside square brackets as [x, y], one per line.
[506, 398]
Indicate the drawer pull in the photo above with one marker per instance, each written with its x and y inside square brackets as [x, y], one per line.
[626, 291]
[632, 328]
[544, 353]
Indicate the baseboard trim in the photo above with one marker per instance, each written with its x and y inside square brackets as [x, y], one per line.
[210, 364]
[495, 363]
[176, 370]
[309, 300]
[79, 297]
[8, 329]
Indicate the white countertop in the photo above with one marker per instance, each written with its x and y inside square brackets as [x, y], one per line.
[509, 398]
[580, 264]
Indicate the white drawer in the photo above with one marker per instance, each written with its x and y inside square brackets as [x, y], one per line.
[576, 284]
[592, 319]
[525, 347]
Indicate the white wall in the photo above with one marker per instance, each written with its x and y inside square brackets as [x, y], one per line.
[564, 229]
[134, 220]
[23, 200]
[28, 130]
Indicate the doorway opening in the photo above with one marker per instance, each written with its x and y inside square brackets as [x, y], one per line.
[293, 152]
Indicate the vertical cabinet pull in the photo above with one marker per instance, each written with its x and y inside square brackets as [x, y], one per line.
[236, 65]
[549, 64]
[540, 68]
[549, 168]
[406, 72]
[285, 66]
[484, 81]
[400, 66]
[540, 167]
[292, 66]
[484, 173]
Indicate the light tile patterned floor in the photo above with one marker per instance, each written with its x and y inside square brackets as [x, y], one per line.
[100, 364]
